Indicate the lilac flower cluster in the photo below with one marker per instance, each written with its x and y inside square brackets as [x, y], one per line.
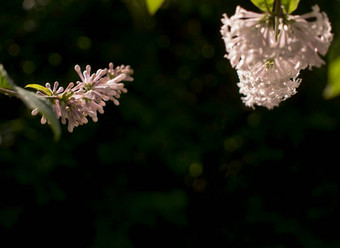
[87, 97]
[268, 61]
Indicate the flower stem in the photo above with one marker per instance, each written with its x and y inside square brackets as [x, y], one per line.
[277, 8]
[278, 13]
[14, 93]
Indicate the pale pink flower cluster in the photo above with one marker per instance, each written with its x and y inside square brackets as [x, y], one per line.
[87, 97]
[268, 62]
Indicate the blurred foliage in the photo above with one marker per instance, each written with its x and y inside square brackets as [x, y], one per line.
[153, 5]
[5, 81]
[181, 162]
[332, 88]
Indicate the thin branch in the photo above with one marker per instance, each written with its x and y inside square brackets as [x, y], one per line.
[277, 8]
[14, 93]
[8, 92]
[278, 13]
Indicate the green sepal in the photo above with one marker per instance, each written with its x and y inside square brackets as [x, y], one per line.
[39, 87]
[66, 96]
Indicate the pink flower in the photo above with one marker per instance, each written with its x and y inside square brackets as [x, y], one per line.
[74, 104]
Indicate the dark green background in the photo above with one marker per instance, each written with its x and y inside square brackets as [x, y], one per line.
[269, 178]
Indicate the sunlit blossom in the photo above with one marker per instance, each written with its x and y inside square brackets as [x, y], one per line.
[87, 97]
[268, 94]
[268, 61]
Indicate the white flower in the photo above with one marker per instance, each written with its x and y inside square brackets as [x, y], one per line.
[274, 69]
[311, 35]
[268, 61]
[265, 93]
[269, 82]
[241, 35]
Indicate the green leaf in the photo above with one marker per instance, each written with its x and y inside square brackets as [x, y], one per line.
[153, 5]
[5, 81]
[333, 86]
[289, 5]
[40, 88]
[44, 106]
[32, 100]
[264, 5]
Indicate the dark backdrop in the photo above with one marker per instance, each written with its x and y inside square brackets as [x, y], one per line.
[181, 162]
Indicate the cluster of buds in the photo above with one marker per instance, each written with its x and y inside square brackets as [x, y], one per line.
[86, 97]
[269, 49]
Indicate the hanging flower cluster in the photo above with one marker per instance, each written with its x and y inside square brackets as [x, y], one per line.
[87, 97]
[268, 50]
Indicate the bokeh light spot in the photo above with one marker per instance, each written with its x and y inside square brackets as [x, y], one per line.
[231, 144]
[207, 51]
[54, 59]
[29, 25]
[253, 120]
[14, 49]
[194, 27]
[28, 4]
[84, 42]
[28, 67]
[195, 169]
